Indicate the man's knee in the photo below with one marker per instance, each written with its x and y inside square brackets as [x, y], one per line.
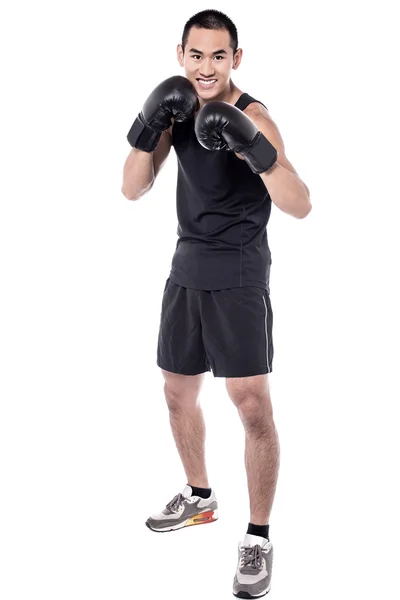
[252, 399]
[181, 390]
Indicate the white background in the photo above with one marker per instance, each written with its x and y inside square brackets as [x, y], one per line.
[86, 449]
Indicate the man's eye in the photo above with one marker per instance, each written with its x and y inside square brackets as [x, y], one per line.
[196, 56]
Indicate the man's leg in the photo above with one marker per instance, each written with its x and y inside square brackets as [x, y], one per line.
[195, 505]
[251, 396]
[182, 359]
[187, 424]
[237, 332]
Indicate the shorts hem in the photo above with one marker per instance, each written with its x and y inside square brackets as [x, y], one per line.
[189, 372]
[245, 374]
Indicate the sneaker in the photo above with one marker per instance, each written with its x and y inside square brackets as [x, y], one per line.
[185, 510]
[253, 574]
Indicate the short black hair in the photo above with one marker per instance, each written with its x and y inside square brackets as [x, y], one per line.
[211, 19]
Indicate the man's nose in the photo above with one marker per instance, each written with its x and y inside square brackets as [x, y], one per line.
[207, 68]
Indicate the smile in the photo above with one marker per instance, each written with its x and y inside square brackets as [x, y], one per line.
[206, 83]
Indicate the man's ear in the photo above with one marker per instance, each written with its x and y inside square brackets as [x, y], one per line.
[237, 59]
[179, 54]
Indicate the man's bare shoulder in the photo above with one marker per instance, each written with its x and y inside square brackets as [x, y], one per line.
[265, 123]
[255, 109]
[262, 119]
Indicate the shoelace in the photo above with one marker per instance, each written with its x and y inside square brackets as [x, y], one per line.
[175, 503]
[251, 556]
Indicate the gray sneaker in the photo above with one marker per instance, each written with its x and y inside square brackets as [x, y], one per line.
[253, 573]
[185, 510]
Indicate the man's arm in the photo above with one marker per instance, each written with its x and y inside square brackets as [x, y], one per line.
[141, 168]
[288, 192]
[149, 136]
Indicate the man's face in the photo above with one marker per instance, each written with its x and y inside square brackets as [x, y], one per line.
[208, 57]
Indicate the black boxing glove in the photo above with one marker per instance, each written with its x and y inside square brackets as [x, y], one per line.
[174, 97]
[219, 125]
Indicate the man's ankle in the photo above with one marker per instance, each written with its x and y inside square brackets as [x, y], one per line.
[203, 492]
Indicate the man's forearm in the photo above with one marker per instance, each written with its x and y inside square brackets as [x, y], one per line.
[138, 175]
[287, 191]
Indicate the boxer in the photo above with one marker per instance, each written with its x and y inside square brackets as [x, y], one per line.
[216, 311]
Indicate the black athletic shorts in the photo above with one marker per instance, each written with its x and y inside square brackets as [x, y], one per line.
[226, 331]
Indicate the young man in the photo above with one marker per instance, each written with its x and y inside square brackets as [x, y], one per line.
[216, 309]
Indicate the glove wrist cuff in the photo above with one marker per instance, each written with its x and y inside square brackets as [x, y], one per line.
[261, 155]
[142, 136]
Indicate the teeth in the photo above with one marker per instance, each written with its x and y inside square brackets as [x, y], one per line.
[207, 81]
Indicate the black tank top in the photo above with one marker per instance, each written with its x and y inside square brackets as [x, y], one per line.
[223, 209]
